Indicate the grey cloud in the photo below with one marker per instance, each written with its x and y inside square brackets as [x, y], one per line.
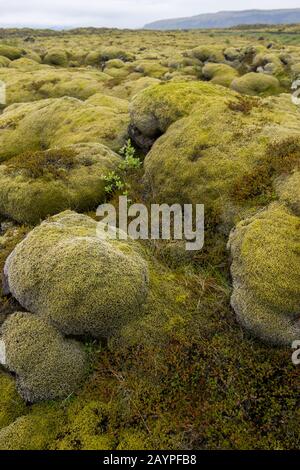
[115, 13]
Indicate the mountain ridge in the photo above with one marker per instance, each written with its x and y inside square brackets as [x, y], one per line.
[227, 19]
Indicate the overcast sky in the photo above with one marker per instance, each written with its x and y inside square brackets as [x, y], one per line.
[117, 13]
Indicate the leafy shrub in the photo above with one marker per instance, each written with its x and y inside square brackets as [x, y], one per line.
[115, 180]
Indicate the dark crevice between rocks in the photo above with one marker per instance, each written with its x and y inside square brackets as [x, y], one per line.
[142, 142]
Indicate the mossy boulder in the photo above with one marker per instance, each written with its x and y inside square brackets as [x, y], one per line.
[156, 108]
[88, 423]
[56, 57]
[209, 53]
[114, 64]
[10, 52]
[11, 404]
[82, 283]
[256, 84]
[288, 190]
[269, 64]
[30, 432]
[60, 122]
[225, 152]
[100, 57]
[4, 61]
[233, 54]
[24, 64]
[27, 80]
[46, 365]
[265, 269]
[295, 70]
[219, 74]
[150, 68]
[129, 88]
[37, 184]
[30, 54]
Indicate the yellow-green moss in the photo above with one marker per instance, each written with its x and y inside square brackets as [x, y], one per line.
[216, 154]
[207, 53]
[256, 84]
[265, 269]
[288, 189]
[157, 107]
[24, 64]
[10, 52]
[56, 57]
[11, 404]
[132, 439]
[30, 432]
[93, 287]
[46, 365]
[35, 185]
[4, 61]
[219, 74]
[269, 63]
[27, 80]
[149, 68]
[59, 122]
[88, 427]
[97, 58]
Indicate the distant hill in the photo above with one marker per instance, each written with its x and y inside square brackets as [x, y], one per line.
[227, 19]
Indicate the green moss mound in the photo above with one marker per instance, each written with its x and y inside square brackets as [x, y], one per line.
[256, 84]
[266, 273]
[27, 80]
[209, 53]
[151, 69]
[30, 432]
[93, 287]
[46, 365]
[219, 74]
[288, 190]
[10, 52]
[129, 88]
[233, 54]
[295, 70]
[56, 57]
[156, 108]
[4, 61]
[60, 122]
[132, 439]
[99, 58]
[269, 63]
[33, 55]
[37, 184]
[225, 154]
[88, 426]
[24, 64]
[11, 404]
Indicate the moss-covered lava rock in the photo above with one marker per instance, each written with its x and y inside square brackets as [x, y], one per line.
[288, 190]
[265, 268]
[219, 74]
[60, 122]
[46, 365]
[37, 184]
[10, 52]
[217, 148]
[256, 84]
[83, 283]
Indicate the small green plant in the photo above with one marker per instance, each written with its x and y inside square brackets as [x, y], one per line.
[115, 180]
[130, 160]
[114, 183]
